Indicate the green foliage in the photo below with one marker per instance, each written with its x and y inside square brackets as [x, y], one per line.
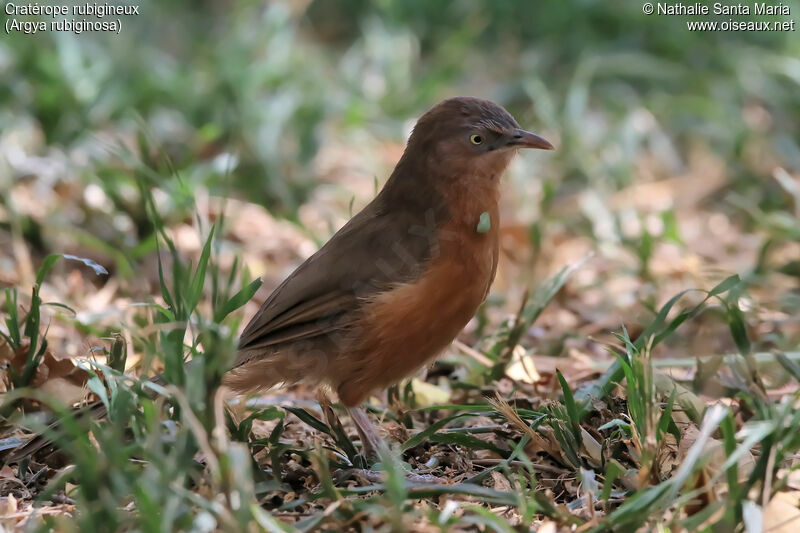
[656, 331]
[509, 335]
[134, 455]
[27, 329]
[237, 100]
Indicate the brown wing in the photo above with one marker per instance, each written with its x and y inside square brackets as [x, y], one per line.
[378, 247]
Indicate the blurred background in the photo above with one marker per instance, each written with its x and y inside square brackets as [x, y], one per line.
[677, 162]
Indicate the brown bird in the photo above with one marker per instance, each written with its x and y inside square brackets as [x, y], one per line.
[392, 288]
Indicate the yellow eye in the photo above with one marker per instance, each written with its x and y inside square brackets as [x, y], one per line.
[476, 139]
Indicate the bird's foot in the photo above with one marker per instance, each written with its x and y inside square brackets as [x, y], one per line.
[371, 443]
[367, 476]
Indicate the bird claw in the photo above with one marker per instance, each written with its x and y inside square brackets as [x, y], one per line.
[367, 476]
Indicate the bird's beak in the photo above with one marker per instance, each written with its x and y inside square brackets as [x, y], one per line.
[526, 139]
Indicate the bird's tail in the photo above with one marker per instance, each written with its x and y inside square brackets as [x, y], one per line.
[92, 411]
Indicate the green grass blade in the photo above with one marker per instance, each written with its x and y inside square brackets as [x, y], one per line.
[238, 300]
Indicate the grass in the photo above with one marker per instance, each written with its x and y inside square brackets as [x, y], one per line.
[161, 460]
[634, 367]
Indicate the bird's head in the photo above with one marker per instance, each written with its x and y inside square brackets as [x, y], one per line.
[470, 137]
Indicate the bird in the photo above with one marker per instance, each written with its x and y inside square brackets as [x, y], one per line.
[397, 283]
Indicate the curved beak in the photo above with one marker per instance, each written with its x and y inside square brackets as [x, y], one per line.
[526, 139]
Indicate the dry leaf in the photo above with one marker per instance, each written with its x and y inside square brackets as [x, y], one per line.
[501, 482]
[428, 394]
[522, 367]
[782, 514]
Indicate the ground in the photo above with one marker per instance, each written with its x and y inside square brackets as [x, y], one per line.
[635, 365]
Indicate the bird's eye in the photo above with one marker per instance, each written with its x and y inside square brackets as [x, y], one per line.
[475, 139]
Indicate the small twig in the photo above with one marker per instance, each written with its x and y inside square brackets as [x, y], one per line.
[765, 497]
[472, 352]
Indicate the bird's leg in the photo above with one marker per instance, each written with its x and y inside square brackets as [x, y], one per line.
[371, 441]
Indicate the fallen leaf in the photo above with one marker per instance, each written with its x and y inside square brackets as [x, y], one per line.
[428, 394]
[501, 482]
[782, 514]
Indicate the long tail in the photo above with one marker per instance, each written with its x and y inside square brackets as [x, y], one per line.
[94, 411]
[253, 379]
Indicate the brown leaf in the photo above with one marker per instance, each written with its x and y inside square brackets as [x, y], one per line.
[501, 482]
[782, 514]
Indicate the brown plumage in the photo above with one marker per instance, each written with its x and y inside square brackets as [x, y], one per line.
[393, 287]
